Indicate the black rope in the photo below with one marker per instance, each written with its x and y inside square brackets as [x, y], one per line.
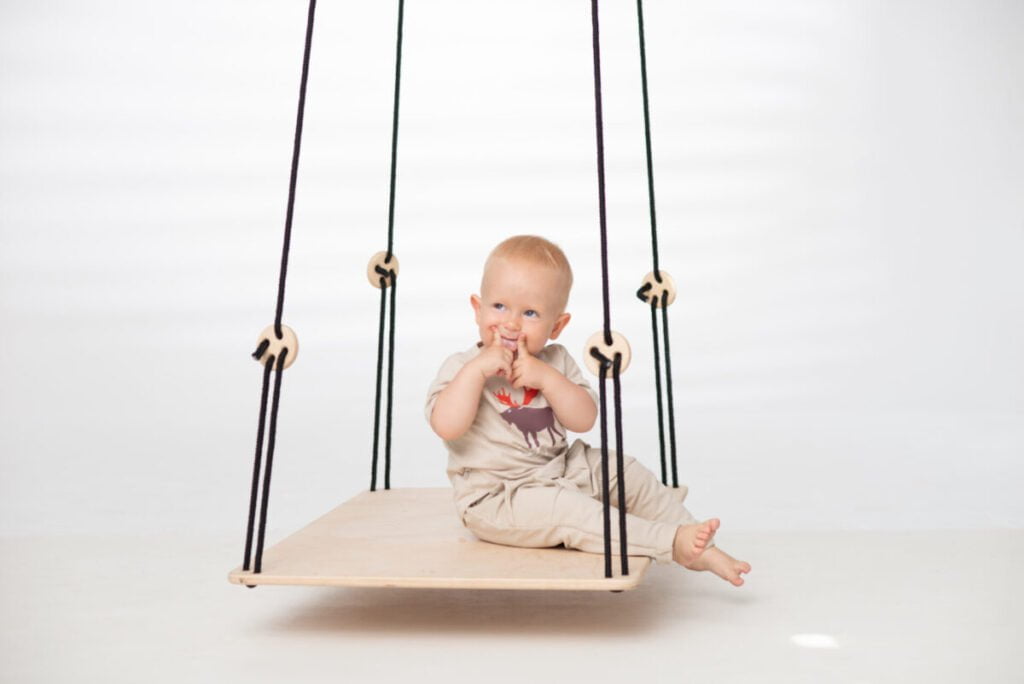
[271, 438]
[642, 293]
[620, 462]
[385, 277]
[668, 386]
[647, 138]
[606, 363]
[295, 170]
[391, 381]
[388, 278]
[657, 388]
[616, 368]
[259, 453]
[278, 333]
[605, 490]
[264, 344]
[261, 349]
[380, 368]
[599, 119]
[394, 131]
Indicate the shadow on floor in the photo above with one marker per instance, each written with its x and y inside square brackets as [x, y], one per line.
[666, 595]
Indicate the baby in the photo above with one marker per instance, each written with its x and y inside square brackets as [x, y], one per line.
[503, 408]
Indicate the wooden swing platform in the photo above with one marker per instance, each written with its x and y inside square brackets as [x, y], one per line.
[413, 538]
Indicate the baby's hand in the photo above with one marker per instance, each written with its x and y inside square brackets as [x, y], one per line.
[528, 370]
[495, 359]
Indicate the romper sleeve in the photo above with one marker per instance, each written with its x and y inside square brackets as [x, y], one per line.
[571, 371]
[449, 369]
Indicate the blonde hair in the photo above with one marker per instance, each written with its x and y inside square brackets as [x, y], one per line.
[534, 250]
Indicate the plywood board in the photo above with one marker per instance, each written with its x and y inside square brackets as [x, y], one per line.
[414, 538]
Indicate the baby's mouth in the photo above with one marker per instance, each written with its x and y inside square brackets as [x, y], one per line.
[511, 343]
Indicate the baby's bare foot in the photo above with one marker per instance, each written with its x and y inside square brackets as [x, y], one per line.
[722, 564]
[692, 540]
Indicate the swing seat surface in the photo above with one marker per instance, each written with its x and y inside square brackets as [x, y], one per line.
[413, 538]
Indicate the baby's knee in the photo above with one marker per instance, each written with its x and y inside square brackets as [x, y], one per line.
[483, 526]
[593, 456]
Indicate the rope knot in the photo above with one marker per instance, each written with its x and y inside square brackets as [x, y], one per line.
[658, 289]
[382, 271]
[285, 349]
[601, 357]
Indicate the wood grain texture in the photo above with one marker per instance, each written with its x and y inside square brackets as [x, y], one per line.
[413, 538]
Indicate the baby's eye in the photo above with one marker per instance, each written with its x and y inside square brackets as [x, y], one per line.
[499, 306]
[531, 313]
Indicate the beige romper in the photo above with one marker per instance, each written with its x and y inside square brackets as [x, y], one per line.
[518, 482]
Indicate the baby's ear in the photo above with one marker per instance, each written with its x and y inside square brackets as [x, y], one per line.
[560, 323]
[474, 301]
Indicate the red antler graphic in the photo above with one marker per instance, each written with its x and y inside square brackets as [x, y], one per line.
[528, 394]
[505, 399]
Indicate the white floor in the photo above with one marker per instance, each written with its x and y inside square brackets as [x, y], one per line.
[818, 607]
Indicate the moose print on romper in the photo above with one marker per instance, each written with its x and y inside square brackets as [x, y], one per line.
[530, 421]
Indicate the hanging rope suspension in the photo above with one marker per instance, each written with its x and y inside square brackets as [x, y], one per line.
[385, 277]
[383, 273]
[647, 137]
[257, 459]
[657, 288]
[607, 351]
[278, 346]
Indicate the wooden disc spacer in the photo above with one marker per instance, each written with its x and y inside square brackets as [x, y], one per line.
[656, 289]
[378, 261]
[288, 341]
[618, 345]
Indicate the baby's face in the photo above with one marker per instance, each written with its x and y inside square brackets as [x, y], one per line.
[517, 299]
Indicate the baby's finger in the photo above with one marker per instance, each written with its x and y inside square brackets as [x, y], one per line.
[521, 343]
[495, 337]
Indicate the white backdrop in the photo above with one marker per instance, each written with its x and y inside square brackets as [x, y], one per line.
[839, 201]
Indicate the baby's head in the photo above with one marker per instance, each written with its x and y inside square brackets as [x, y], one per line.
[524, 291]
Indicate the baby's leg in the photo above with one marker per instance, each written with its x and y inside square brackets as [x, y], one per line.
[542, 516]
[722, 564]
[646, 496]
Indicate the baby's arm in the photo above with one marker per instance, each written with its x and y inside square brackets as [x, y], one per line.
[456, 406]
[572, 404]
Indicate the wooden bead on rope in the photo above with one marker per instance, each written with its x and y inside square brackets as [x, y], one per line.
[275, 346]
[618, 345]
[650, 287]
[378, 262]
